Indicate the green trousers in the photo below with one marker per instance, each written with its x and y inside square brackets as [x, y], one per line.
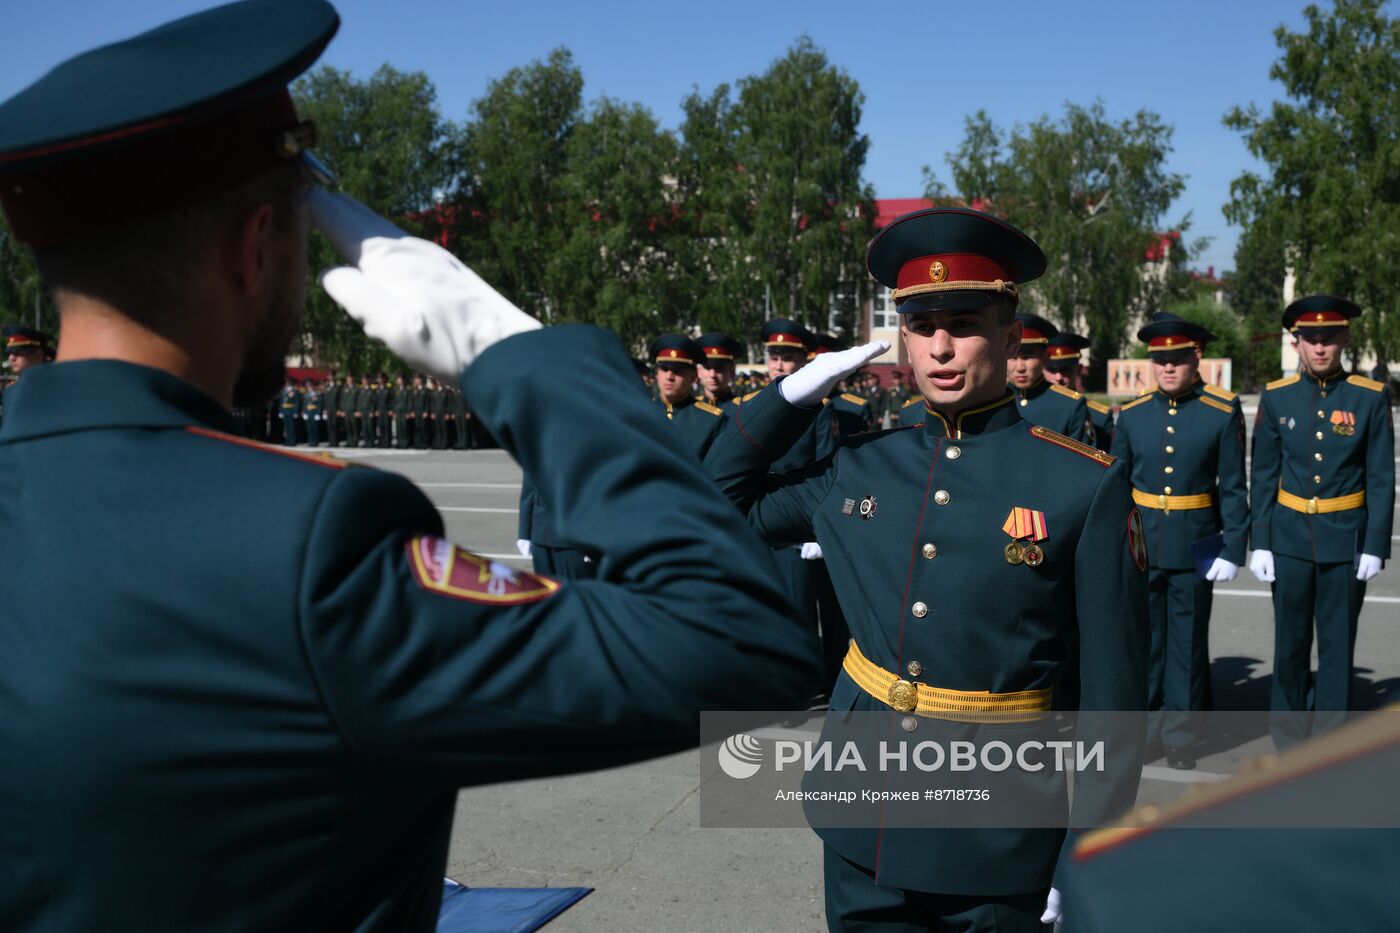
[1178, 672]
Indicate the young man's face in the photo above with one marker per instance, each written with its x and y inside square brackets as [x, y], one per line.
[1321, 354]
[784, 361]
[674, 382]
[1175, 372]
[21, 358]
[1027, 367]
[959, 357]
[716, 376]
[1059, 377]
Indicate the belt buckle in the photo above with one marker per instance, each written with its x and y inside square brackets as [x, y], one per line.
[1312, 506]
[903, 696]
[1162, 503]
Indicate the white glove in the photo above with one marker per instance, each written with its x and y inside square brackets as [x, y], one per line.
[1366, 567]
[811, 551]
[1222, 570]
[1261, 564]
[1052, 908]
[523, 546]
[809, 385]
[433, 312]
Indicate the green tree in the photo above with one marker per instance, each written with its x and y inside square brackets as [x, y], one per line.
[1256, 293]
[1094, 194]
[23, 299]
[1332, 149]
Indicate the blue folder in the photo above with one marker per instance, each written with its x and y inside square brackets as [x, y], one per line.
[1205, 550]
[502, 910]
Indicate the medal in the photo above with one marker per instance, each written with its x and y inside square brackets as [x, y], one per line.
[1034, 556]
[1014, 553]
[867, 507]
[1025, 527]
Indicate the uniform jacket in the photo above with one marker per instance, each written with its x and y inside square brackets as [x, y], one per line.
[1186, 445]
[695, 425]
[852, 413]
[1057, 408]
[1327, 438]
[924, 579]
[285, 755]
[1101, 419]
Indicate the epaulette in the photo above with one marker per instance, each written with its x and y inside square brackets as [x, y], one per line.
[1365, 383]
[853, 399]
[1218, 392]
[916, 400]
[1069, 443]
[1135, 403]
[1280, 383]
[1146, 392]
[1099, 407]
[323, 458]
[1376, 731]
[749, 396]
[1217, 405]
[708, 408]
[1056, 387]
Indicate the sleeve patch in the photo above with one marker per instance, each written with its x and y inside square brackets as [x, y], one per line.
[441, 567]
[1137, 540]
[1069, 443]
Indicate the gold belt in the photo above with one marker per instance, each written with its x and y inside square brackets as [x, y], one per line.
[1316, 506]
[938, 703]
[1167, 503]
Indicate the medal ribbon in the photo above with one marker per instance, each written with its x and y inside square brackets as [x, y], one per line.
[1026, 523]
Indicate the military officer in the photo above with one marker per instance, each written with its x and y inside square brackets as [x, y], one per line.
[1184, 452]
[1062, 367]
[896, 398]
[354, 412]
[385, 396]
[462, 419]
[311, 409]
[289, 407]
[966, 578]
[288, 758]
[1323, 480]
[696, 424]
[1043, 402]
[851, 413]
[330, 402]
[26, 348]
[716, 370]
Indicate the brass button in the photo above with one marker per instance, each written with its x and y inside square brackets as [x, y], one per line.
[1317, 479]
[930, 551]
[1024, 403]
[954, 453]
[941, 497]
[1320, 414]
[919, 609]
[915, 668]
[1168, 490]
[909, 724]
[1317, 457]
[1319, 435]
[1171, 411]
[1323, 394]
[1171, 449]
[1171, 429]
[1170, 470]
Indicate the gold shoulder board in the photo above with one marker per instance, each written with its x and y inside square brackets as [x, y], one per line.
[1069, 443]
[1365, 383]
[1099, 407]
[1054, 387]
[707, 407]
[1217, 405]
[853, 399]
[1218, 392]
[1135, 403]
[916, 400]
[1280, 383]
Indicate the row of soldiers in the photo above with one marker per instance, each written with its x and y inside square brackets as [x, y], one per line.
[355, 412]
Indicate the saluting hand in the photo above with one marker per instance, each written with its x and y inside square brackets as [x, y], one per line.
[809, 385]
[433, 312]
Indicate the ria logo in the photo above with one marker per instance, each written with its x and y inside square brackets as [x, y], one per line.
[741, 756]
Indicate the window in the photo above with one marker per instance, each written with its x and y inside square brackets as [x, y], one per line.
[882, 313]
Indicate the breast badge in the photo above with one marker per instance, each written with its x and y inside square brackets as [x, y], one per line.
[1343, 423]
[1025, 527]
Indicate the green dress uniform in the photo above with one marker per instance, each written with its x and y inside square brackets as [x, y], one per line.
[1323, 481]
[420, 427]
[695, 424]
[330, 399]
[357, 414]
[1057, 408]
[401, 403]
[722, 349]
[462, 419]
[1185, 457]
[1202, 862]
[439, 412]
[311, 408]
[918, 525]
[289, 408]
[911, 412]
[853, 413]
[385, 397]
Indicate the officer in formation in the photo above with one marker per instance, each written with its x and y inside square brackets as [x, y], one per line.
[1183, 449]
[400, 406]
[1062, 367]
[384, 397]
[330, 404]
[313, 729]
[897, 398]
[289, 409]
[1323, 481]
[462, 418]
[1013, 568]
[696, 424]
[311, 409]
[438, 414]
[25, 348]
[1042, 401]
[716, 370]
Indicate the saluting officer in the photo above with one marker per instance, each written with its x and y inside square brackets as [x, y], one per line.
[967, 579]
[1042, 401]
[716, 370]
[1184, 451]
[286, 755]
[1062, 366]
[696, 424]
[1323, 480]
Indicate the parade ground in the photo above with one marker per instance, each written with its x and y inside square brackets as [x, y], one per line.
[633, 833]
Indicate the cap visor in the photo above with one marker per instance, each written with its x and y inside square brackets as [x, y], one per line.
[948, 301]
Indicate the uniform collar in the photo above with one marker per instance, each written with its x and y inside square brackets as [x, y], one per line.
[1034, 390]
[981, 420]
[685, 402]
[91, 394]
[1325, 381]
[1191, 392]
[719, 400]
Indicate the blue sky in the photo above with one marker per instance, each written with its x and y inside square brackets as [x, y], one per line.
[922, 66]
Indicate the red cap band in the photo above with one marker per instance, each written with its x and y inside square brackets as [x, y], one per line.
[950, 267]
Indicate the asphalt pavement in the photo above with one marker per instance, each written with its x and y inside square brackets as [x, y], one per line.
[633, 833]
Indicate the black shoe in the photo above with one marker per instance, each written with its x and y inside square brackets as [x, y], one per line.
[1180, 759]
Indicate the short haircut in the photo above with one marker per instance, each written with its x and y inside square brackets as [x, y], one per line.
[142, 269]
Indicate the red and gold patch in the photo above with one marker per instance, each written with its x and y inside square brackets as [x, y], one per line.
[441, 567]
[1137, 540]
